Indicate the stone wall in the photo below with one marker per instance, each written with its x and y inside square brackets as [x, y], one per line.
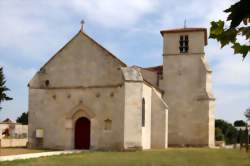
[146, 129]
[12, 142]
[150, 76]
[52, 115]
[132, 115]
[159, 122]
[188, 92]
[16, 130]
[171, 43]
[83, 79]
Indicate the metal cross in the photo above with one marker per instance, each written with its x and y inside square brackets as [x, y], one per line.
[185, 23]
[82, 23]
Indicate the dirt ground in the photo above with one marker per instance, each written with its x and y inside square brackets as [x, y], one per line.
[15, 151]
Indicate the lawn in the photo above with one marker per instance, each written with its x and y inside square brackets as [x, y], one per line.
[169, 157]
[14, 151]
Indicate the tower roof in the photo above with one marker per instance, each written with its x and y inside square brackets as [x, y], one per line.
[180, 30]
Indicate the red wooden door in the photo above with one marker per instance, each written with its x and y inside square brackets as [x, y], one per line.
[82, 133]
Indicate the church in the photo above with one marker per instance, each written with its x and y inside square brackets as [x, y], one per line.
[85, 97]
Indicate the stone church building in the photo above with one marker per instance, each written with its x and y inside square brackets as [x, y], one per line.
[84, 97]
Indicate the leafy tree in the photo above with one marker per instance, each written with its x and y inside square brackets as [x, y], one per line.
[240, 137]
[239, 123]
[228, 130]
[246, 139]
[247, 113]
[23, 119]
[239, 15]
[3, 88]
[219, 136]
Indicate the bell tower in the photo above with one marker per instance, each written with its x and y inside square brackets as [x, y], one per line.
[187, 87]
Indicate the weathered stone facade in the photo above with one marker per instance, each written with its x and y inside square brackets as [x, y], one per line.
[127, 107]
[187, 89]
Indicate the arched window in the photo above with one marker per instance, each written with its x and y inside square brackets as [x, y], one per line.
[143, 113]
[107, 125]
[47, 82]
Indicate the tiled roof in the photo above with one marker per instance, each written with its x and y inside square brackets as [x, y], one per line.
[157, 69]
[183, 30]
[129, 74]
[7, 121]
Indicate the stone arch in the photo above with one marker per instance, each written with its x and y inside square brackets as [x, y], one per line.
[78, 111]
[71, 117]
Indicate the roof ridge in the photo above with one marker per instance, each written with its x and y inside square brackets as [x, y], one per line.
[80, 32]
[54, 55]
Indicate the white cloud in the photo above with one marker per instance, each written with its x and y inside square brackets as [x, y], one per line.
[32, 27]
[231, 103]
[232, 71]
[113, 13]
[16, 74]
[231, 81]
[21, 27]
[228, 69]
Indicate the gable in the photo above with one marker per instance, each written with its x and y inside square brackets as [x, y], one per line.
[81, 62]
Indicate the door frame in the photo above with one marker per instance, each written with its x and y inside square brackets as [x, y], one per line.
[89, 131]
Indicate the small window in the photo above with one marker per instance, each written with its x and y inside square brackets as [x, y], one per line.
[47, 82]
[143, 112]
[39, 133]
[183, 44]
[159, 77]
[107, 125]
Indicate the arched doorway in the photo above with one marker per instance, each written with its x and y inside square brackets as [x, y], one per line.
[82, 133]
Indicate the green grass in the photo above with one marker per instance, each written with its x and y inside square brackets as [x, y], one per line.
[169, 157]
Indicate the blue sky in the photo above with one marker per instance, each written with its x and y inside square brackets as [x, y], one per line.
[32, 31]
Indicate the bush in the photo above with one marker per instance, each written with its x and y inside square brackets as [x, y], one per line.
[219, 136]
[228, 130]
[23, 119]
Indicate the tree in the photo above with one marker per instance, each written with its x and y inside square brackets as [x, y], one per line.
[247, 113]
[240, 138]
[246, 136]
[239, 123]
[239, 15]
[219, 136]
[23, 119]
[228, 130]
[3, 88]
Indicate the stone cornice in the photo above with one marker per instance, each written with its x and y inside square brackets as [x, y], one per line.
[78, 87]
[207, 96]
[189, 53]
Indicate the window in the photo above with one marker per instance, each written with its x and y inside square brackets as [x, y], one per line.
[143, 112]
[107, 125]
[183, 44]
[47, 82]
[159, 77]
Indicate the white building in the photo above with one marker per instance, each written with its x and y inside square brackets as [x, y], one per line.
[85, 97]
